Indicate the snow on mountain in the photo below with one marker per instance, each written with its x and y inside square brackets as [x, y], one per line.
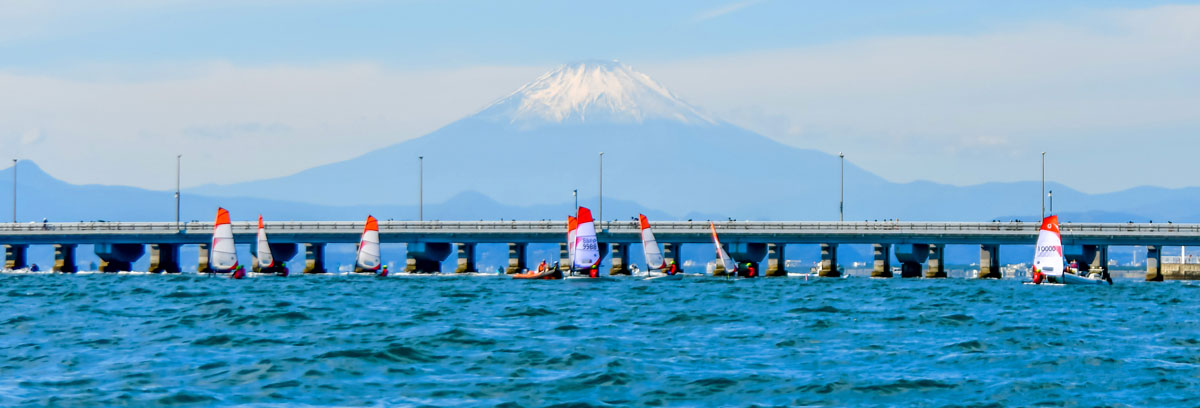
[592, 92]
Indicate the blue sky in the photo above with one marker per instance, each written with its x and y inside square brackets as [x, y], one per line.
[104, 93]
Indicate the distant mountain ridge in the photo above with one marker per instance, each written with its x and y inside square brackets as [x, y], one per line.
[538, 144]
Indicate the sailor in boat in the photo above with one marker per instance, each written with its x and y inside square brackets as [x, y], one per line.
[542, 266]
[238, 273]
[383, 271]
[34, 268]
[594, 271]
[635, 270]
[672, 269]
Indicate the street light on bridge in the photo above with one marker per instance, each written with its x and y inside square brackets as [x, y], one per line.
[14, 191]
[420, 188]
[842, 189]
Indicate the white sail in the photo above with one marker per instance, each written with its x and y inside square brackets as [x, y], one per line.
[654, 256]
[368, 246]
[725, 261]
[263, 252]
[222, 255]
[1048, 254]
[587, 249]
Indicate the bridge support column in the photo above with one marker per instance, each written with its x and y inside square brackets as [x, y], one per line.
[64, 258]
[564, 258]
[776, 263]
[466, 258]
[1099, 258]
[989, 262]
[829, 263]
[164, 258]
[883, 261]
[202, 262]
[14, 256]
[620, 259]
[426, 257]
[516, 258]
[937, 261]
[118, 257]
[672, 252]
[314, 258]
[912, 258]
[1153, 263]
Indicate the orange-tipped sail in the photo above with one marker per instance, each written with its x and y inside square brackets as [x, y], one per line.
[1048, 254]
[222, 255]
[572, 225]
[587, 250]
[368, 246]
[262, 248]
[654, 256]
[721, 254]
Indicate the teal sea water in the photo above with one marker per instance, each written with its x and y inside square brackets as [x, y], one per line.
[107, 340]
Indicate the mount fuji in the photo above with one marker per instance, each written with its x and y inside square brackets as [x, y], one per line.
[538, 144]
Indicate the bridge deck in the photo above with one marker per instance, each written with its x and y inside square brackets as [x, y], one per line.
[1007, 233]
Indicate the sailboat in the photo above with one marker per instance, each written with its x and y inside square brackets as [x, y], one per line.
[1048, 259]
[730, 267]
[265, 262]
[367, 260]
[222, 256]
[650, 248]
[587, 248]
[572, 225]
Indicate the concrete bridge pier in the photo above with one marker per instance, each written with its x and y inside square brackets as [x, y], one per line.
[620, 259]
[202, 261]
[673, 252]
[466, 258]
[426, 257]
[164, 258]
[912, 257]
[564, 258]
[1154, 263]
[14, 256]
[776, 264]
[747, 252]
[1099, 258]
[937, 262]
[829, 264]
[516, 258]
[118, 257]
[989, 262]
[314, 258]
[882, 267]
[280, 253]
[64, 258]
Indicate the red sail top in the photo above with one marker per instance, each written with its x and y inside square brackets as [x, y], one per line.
[585, 215]
[644, 221]
[260, 223]
[1051, 224]
[572, 223]
[372, 224]
[222, 216]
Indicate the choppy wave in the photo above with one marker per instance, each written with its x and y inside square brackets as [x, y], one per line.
[99, 340]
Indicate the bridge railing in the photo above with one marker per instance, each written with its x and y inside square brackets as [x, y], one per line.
[624, 226]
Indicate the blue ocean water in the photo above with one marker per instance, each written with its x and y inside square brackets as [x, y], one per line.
[88, 340]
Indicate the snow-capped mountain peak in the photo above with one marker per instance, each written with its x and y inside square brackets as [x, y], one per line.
[590, 92]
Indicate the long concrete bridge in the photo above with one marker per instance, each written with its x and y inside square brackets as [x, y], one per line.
[917, 245]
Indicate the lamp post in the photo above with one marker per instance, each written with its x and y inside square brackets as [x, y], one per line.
[1043, 184]
[601, 207]
[842, 189]
[178, 159]
[14, 191]
[1051, 195]
[575, 194]
[420, 188]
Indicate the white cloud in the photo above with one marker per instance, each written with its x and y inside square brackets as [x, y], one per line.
[1111, 87]
[723, 10]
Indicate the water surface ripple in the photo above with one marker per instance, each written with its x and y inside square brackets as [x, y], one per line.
[469, 341]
